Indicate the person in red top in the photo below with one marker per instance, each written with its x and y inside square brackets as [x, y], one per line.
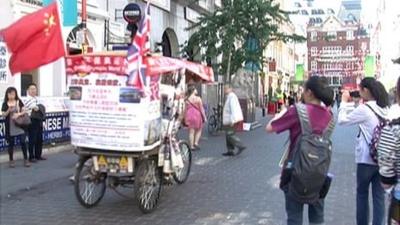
[317, 96]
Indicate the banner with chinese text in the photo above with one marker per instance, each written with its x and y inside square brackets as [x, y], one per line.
[106, 114]
[3, 62]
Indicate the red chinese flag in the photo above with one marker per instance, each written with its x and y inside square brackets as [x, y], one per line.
[35, 39]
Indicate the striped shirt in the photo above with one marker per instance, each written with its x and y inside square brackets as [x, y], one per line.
[389, 154]
[30, 102]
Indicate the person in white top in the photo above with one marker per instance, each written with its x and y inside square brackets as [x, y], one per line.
[376, 102]
[36, 128]
[232, 114]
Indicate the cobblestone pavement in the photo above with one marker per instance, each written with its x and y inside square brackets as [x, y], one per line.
[239, 190]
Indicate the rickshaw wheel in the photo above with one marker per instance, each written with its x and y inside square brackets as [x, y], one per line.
[147, 185]
[181, 175]
[90, 186]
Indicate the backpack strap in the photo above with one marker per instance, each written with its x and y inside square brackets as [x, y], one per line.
[329, 129]
[303, 118]
[380, 118]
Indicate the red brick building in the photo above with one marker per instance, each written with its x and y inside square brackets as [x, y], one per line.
[337, 50]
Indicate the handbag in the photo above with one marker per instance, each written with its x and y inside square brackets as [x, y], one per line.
[22, 121]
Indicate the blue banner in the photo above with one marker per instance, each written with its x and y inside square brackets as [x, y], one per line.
[69, 10]
[47, 2]
[55, 129]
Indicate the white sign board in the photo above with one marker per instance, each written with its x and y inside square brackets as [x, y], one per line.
[191, 15]
[107, 115]
[163, 4]
[4, 71]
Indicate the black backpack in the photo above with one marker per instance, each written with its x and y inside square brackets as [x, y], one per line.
[310, 160]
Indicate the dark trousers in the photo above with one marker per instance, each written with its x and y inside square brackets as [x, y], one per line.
[232, 140]
[35, 139]
[11, 144]
[368, 175]
[294, 211]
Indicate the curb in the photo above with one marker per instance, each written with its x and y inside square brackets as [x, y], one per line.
[48, 150]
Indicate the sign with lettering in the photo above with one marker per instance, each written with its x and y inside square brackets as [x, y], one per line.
[163, 4]
[132, 13]
[33, 2]
[4, 71]
[107, 114]
[55, 129]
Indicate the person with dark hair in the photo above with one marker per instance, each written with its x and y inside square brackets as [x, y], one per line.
[389, 158]
[338, 97]
[317, 96]
[195, 117]
[231, 115]
[367, 116]
[37, 113]
[291, 98]
[13, 108]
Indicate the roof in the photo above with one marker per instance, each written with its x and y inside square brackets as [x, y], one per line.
[352, 5]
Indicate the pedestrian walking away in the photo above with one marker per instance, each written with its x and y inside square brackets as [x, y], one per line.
[195, 117]
[232, 114]
[368, 117]
[291, 98]
[389, 159]
[13, 109]
[304, 121]
[37, 113]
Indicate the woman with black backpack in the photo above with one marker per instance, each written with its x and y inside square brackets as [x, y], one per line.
[317, 98]
[368, 117]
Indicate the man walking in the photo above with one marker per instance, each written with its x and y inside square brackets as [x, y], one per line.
[232, 114]
[36, 112]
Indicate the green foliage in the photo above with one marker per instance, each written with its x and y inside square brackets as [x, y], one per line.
[225, 31]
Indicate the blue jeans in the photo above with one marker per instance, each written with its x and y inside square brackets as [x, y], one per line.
[294, 211]
[366, 175]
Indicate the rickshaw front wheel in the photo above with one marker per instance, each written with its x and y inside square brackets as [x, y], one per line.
[181, 175]
[147, 185]
[90, 186]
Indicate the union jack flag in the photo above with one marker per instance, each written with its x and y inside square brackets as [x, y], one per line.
[137, 51]
[154, 88]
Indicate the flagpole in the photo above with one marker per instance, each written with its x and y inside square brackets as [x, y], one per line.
[85, 43]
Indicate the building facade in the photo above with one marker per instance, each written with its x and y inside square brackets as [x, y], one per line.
[337, 51]
[383, 21]
[281, 61]
[50, 78]
[106, 29]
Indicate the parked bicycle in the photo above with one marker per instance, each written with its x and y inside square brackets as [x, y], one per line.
[215, 120]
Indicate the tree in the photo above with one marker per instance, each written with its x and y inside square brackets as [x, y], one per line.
[226, 32]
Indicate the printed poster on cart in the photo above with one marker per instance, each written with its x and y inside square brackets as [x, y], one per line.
[105, 113]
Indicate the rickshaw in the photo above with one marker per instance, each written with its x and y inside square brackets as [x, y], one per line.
[127, 136]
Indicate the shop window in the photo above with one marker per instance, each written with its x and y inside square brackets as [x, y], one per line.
[314, 51]
[350, 35]
[314, 65]
[331, 35]
[350, 49]
[313, 36]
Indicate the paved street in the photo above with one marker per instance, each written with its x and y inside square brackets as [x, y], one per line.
[241, 190]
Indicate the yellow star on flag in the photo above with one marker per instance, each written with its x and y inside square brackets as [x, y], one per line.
[49, 22]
